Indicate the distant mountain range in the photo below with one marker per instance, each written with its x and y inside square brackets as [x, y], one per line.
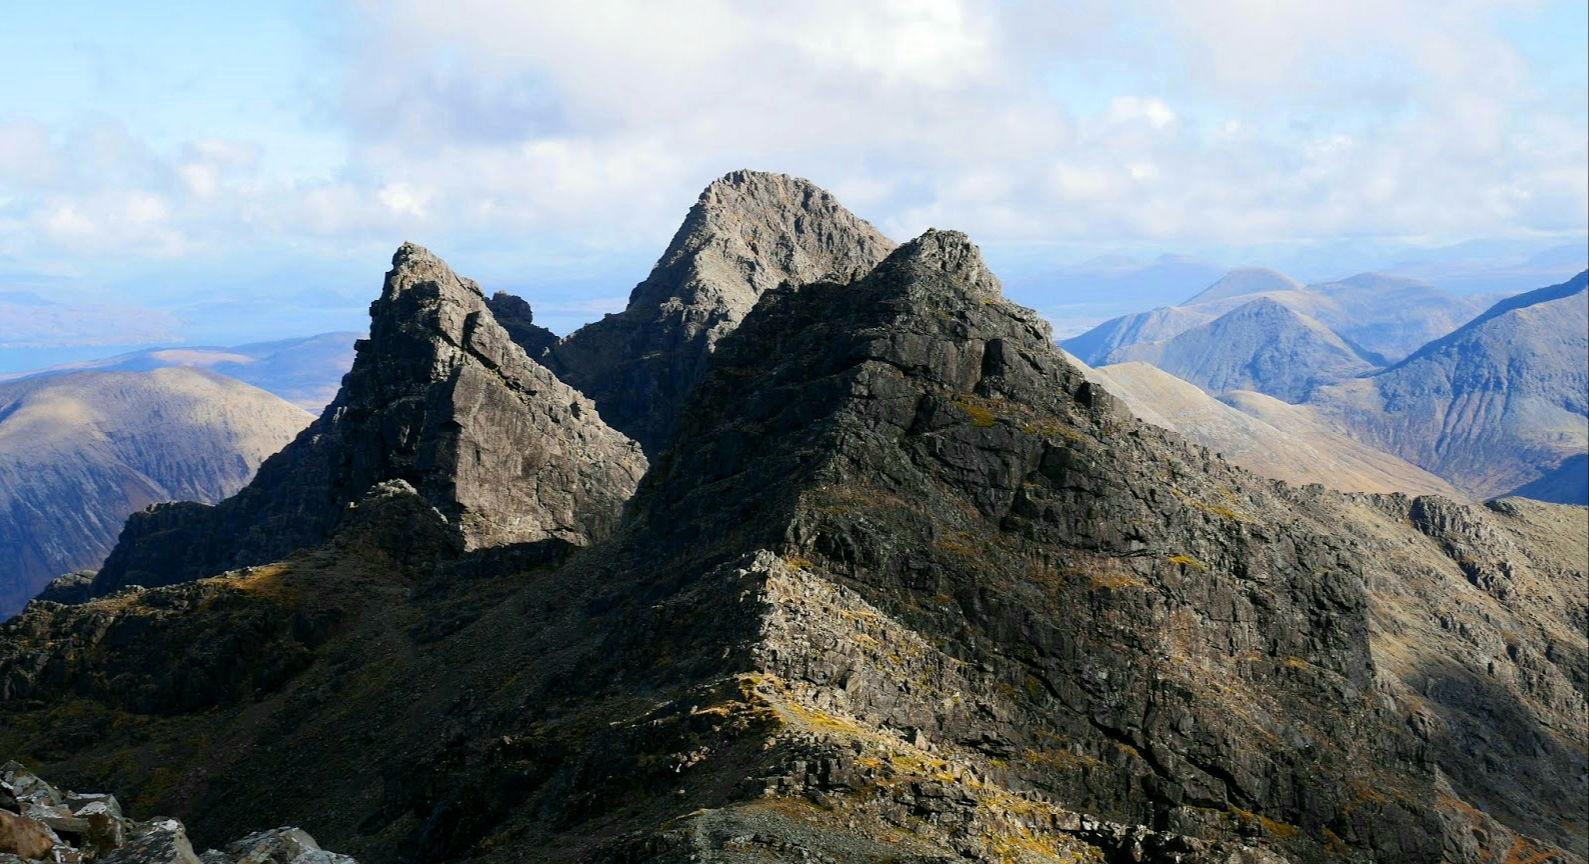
[1384, 318]
[1260, 345]
[80, 451]
[1494, 406]
[28, 319]
[1490, 398]
[304, 371]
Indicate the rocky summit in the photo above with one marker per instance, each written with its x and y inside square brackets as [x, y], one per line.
[749, 233]
[439, 396]
[905, 586]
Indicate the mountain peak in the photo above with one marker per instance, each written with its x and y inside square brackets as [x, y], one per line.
[748, 180]
[423, 302]
[748, 233]
[410, 251]
[1264, 307]
[1246, 280]
[951, 253]
[413, 264]
[738, 189]
[440, 397]
[1261, 345]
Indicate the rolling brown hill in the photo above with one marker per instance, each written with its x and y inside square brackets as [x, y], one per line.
[1265, 435]
[80, 452]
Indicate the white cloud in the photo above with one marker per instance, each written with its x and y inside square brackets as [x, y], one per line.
[1154, 112]
[509, 123]
[1143, 171]
[400, 198]
[64, 219]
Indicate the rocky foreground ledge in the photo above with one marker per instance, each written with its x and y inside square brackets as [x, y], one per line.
[39, 822]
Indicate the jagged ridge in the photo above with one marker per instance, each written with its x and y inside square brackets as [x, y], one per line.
[439, 396]
[749, 233]
[906, 586]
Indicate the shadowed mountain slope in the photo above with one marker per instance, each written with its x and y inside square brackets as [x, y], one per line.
[1387, 315]
[81, 451]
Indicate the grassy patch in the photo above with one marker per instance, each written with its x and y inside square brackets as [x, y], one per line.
[981, 417]
[1281, 830]
[1188, 561]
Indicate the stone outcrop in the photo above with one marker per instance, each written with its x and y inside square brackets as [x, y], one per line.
[439, 397]
[942, 462]
[749, 233]
[39, 822]
[516, 317]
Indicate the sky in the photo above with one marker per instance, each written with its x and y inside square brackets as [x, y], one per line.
[213, 173]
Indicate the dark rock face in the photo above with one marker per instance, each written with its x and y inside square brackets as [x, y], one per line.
[1490, 661]
[516, 317]
[440, 397]
[74, 587]
[206, 644]
[749, 233]
[939, 459]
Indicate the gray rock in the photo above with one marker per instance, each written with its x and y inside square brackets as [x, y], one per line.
[94, 822]
[159, 841]
[439, 397]
[276, 846]
[105, 828]
[749, 233]
[20, 788]
[73, 587]
[516, 317]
